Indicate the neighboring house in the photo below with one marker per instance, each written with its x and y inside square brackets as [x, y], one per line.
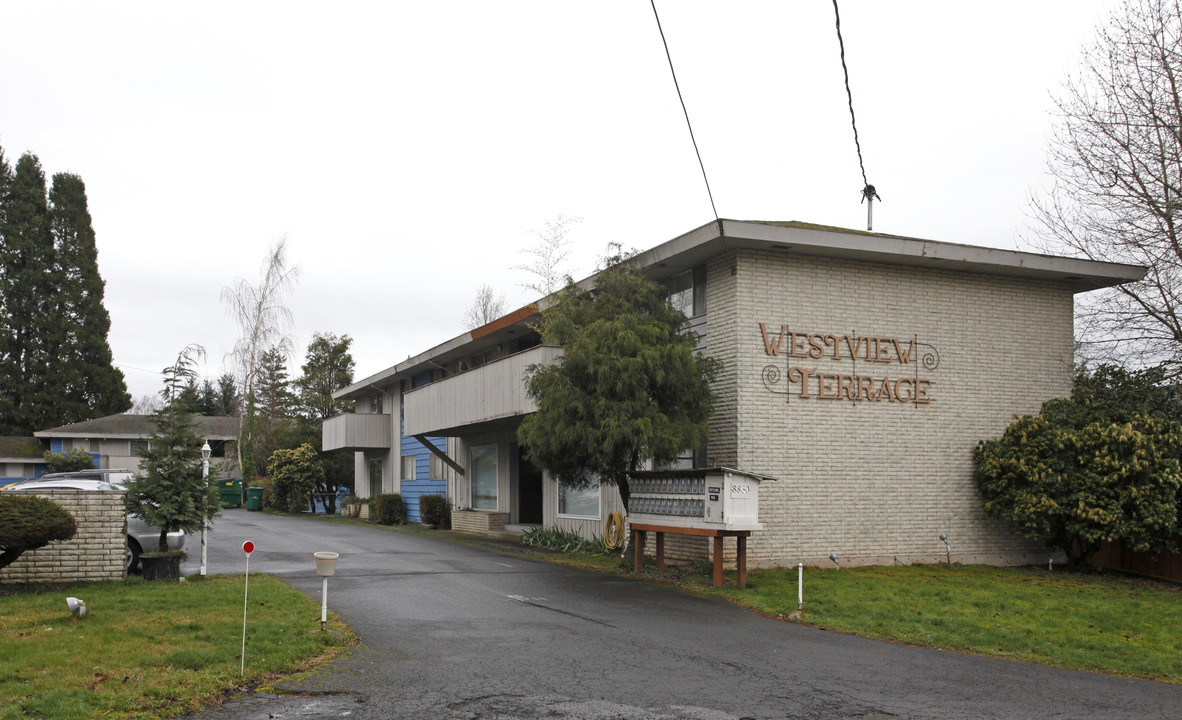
[860, 369]
[20, 458]
[116, 441]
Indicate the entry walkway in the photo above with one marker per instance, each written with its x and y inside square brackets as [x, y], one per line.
[450, 631]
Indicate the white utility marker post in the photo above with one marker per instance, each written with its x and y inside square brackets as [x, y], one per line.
[248, 548]
[205, 453]
[326, 565]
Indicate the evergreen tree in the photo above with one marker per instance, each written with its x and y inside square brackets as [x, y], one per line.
[629, 386]
[82, 374]
[26, 253]
[274, 404]
[229, 400]
[273, 396]
[170, 492]
[328, 367]
[55, 362]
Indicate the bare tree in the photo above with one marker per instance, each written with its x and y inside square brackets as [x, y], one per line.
[1116, 159]
[263, 320]
[146, 405]
[548, 256]
[486, 307]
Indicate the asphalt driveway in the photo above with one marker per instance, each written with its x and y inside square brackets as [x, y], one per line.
[451, 631]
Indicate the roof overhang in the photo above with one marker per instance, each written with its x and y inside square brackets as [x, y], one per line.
[699, 245]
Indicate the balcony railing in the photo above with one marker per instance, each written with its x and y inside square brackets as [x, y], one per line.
[357, 431]
[483, 395]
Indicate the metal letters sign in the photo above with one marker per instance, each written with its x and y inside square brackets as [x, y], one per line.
[873, 369]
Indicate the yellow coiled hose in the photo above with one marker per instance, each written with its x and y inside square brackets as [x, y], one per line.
[613, 531]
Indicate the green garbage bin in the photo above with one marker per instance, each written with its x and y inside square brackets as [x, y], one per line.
[254, 498]
[231, 492]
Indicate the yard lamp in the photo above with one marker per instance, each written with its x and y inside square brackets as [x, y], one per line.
[206, 451]
[947, 548]
[836, 560]
[77, 607]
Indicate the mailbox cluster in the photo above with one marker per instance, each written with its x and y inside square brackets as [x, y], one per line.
[708, 498]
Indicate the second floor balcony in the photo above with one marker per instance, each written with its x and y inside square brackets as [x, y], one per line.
[357, 431]
[478, 398]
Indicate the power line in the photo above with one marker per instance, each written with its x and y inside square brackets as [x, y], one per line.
[686, 112]
[868, 191]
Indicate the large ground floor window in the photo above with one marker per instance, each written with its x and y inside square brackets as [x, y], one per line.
[578, 503]
[484, 477]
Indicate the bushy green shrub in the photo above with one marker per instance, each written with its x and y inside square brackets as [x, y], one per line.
[28, 523]
[294, 473]
[435, 510]
[391, 509]
[68, 461]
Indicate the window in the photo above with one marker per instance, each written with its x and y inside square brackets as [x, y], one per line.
[217, 448]
[578, 503]
[375, 477]
[438, 468]
[408, 467]
[681, 292]
[687, 291]
[484, 477]
[375, 404]
[136, 447]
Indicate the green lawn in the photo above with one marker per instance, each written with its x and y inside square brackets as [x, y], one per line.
[1103, 623]
[152, 649]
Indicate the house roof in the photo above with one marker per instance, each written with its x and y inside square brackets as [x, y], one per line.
[798, 238]
[135, 427]
[16, 448]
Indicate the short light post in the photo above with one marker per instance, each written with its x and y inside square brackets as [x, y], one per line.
[326, 564]
[206, 451]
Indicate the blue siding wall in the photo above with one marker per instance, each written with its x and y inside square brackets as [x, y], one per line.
[56, 445]
[423, 483]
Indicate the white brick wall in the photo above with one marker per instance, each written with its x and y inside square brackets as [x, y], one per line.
[96, 552]
[875, 481]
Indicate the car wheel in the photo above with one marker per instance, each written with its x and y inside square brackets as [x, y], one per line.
[133, 554]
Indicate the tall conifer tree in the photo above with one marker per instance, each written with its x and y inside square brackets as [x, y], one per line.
[26, 253]
[55, 362]
[87, 382]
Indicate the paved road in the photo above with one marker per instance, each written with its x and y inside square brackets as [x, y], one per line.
[450, 631]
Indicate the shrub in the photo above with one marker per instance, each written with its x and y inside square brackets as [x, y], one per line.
[391, 509]
[294, 473]
[72, 461]
[434, 510]
[561, 540]
[28, 523]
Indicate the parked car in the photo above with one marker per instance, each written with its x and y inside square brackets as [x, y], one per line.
[140, 534]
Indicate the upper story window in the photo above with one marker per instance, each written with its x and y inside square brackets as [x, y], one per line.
[687, 291]
[375, 403]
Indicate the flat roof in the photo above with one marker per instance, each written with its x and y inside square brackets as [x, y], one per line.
[798, 238]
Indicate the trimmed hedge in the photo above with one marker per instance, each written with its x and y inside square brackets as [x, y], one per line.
[434, 510]
[28, 522]
[391, 509]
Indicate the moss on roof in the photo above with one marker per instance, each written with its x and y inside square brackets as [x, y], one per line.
[21, 447]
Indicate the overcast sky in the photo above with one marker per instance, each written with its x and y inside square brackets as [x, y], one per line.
[407, 149]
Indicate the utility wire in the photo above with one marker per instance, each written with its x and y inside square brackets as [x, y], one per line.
[686, 112]
[868, 191]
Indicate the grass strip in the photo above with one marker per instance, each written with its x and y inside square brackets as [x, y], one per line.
[1107, 623]
[152, 649]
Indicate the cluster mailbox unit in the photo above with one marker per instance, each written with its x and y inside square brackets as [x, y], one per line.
[708, 502]
[707, 498]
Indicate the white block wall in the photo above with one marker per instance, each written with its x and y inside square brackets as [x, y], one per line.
[876, 481]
